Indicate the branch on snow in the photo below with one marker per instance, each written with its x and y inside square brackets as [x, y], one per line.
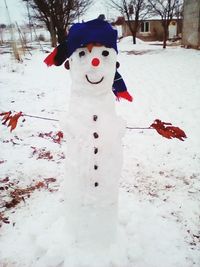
[165, 129]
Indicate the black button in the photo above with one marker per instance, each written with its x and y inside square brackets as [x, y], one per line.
[95, 167]
[95, 135]
[95, 150]
[96, 184]
[95, 117]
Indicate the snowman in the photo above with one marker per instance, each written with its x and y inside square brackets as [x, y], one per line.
[93, 132]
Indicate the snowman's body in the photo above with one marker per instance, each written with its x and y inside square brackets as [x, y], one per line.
[94, 147]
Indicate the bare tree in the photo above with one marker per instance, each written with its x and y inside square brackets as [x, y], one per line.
[166, 10]
[57, 15]
[132, 11]
[179, 10]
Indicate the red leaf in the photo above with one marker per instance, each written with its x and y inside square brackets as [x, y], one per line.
[60, 136]
[168, 131]
[40, 185]
[6, 116]
[5, 180]
[4, 113]
[13, 121]
[50, 180]
[56, 138]
[42, 153]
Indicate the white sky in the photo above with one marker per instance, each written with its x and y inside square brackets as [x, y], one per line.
[18, 11]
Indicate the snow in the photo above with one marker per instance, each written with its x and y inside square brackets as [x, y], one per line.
[159, 187]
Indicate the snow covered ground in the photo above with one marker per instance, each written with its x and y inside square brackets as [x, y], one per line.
[159, 205]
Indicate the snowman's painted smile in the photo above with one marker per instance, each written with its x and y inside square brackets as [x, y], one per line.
[94, 82]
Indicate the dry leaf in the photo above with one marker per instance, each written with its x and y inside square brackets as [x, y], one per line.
[168, 131]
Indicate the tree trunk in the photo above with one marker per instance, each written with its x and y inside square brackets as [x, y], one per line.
[134, 39]
[53, 38]
[131, 29]
[61, 33]
[165, 35]
[52, 31]
[164, 41]
[135, 29]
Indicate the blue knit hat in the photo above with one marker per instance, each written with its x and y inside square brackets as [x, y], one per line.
[80, 35]
[93, 31]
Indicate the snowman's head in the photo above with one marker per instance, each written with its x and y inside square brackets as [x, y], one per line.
[92, 68]
[90, 49]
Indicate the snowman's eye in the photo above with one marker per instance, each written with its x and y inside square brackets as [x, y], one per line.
[105, 53]
[82, 53]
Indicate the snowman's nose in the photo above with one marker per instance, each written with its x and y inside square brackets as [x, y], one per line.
[95, 62]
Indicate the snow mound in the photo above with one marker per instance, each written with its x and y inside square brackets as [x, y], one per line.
[129, 41]
[126, 45]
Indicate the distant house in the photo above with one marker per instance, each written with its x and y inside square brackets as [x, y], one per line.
[191, 23]
[152, 30]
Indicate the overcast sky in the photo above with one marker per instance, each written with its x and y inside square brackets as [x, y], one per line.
[18, 11]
